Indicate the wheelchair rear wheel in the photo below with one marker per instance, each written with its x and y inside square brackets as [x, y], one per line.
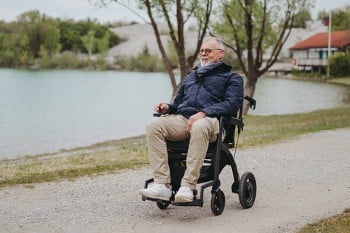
[217, 202]
[247, 190]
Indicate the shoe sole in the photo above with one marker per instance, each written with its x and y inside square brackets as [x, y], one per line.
[147, 195]
[182, 199]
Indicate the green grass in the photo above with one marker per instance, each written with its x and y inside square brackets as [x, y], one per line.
[261, 130]
[335, 224]
[342, 81]
[100, 158]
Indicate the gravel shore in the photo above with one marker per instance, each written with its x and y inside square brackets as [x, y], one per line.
[299, 181]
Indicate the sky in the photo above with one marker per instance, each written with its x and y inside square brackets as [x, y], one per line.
[83, 9]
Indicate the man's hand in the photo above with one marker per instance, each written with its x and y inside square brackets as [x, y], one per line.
[161, 108]
[193, 118]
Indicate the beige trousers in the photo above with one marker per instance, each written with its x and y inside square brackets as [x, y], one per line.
[173, 127]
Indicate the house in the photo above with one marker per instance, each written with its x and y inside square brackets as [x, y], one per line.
[298, 34]
[312, 53]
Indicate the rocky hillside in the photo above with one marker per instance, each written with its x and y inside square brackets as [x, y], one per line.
[139, 36]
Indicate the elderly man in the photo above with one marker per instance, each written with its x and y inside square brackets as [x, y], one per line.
[210, 91]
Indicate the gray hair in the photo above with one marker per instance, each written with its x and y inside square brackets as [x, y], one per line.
[219, 42]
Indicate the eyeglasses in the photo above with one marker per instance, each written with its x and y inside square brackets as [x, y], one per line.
[205, 51]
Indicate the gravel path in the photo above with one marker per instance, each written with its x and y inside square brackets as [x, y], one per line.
[299, 181]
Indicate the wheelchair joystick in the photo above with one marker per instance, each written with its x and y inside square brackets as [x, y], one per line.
[158, 114]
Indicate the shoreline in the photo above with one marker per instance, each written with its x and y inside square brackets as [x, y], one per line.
[88, 149]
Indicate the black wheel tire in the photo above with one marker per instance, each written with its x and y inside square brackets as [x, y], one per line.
[162, 204]
[247, 190]
[217, 202]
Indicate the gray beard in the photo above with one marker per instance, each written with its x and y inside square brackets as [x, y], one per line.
[206, 64]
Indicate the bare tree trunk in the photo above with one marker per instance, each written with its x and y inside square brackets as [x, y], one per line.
[165, 58]
[249, 90]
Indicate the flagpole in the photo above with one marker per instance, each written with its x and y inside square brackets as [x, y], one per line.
[329, 41]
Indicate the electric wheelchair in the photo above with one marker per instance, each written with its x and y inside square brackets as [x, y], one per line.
[217, 157]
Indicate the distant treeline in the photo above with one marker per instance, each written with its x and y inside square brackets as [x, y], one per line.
[35, 37]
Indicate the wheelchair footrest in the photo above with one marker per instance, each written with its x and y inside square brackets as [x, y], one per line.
[195, 202]
[153, 199]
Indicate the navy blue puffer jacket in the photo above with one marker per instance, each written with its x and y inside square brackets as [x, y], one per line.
[217, 92]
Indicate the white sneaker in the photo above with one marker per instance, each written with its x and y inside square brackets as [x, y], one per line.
[157, 191]
[184, 194]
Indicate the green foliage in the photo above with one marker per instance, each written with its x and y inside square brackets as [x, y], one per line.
[82, 35]
[69, 60]
[301, 18]
[340, 65]
[35, 38]
[89, 41]
[322, 15]
[14, 50]
[65, 60]
[340, 18]
[40, 30]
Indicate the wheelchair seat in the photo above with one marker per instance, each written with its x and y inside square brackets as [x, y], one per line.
[180, 148]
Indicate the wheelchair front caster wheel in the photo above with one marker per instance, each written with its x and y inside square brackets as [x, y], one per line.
[217, 202]
[162, 204]
[247, 190]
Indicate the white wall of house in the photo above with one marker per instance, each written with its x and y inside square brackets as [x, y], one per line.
[311, 57]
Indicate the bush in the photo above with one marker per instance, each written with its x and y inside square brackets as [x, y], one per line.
[144, 62]
[66, 60]
[69, 60]
[340, 65]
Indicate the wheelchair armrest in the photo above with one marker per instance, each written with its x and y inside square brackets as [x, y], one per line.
[229, 124]
[236, 121]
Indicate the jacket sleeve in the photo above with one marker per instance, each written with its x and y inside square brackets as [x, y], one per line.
[232, 101]
[178, 99]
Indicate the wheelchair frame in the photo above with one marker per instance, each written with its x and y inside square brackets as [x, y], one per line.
[245, 186]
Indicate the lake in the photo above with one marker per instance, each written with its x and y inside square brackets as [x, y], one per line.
[44, 111]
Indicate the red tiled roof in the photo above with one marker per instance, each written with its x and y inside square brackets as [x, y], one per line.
[339, 39]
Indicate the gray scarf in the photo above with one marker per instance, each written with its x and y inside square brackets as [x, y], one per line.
[204, 69]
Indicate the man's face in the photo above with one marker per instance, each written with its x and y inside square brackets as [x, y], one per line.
[210, 53]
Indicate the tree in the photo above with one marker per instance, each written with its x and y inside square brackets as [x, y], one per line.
[321, 15]
[250, 27]
[301, 18]
[71, 34]
[41, 31]
[176, 13]
[341, 19]
[89, 42]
